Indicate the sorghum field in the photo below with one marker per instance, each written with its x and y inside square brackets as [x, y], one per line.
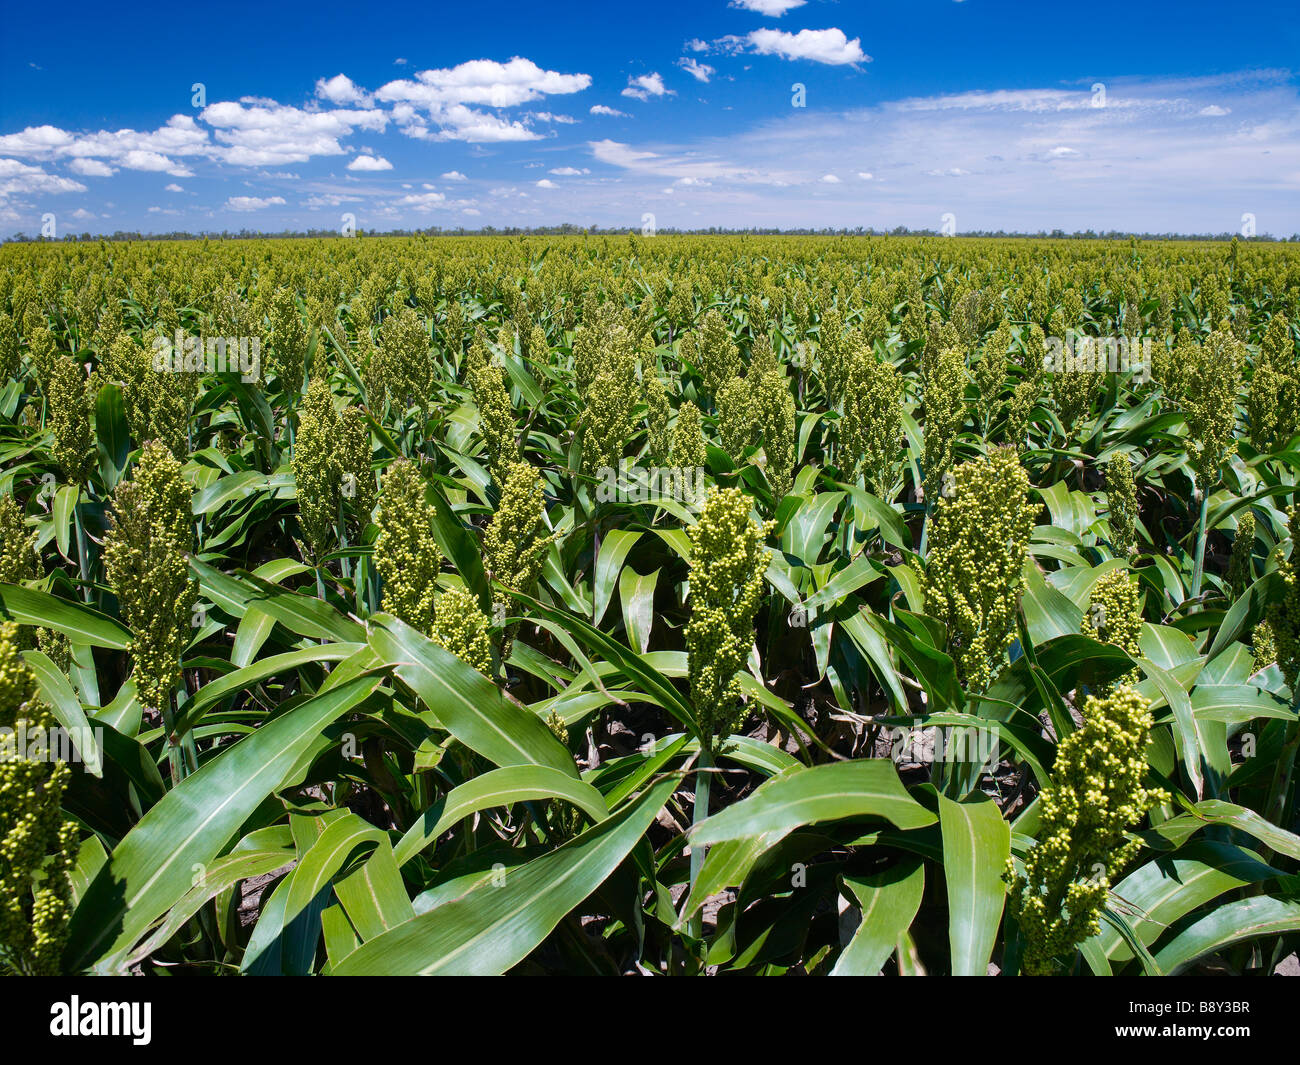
[599, 605]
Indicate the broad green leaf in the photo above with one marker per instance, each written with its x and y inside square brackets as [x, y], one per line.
[465, 702]
[498, 787]
[494, 926]
[152, 867]
[79, 623]
[861, 788]
[889, 901]
[613, 550]
[976, 847]
[1233, 922]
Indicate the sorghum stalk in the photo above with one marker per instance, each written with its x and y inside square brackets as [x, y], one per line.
[975, 569]
[728, 562]
[1096, 794]
[37, 847]
[1284, 625]
[1121, 500]
[406, 553]
[146, 557]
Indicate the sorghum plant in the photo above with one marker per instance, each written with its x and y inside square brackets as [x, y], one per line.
[146, 557]
[37, 847]
[1096, 795]
[974, 574]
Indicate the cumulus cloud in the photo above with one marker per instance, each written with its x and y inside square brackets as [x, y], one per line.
[601, 109]
[341, 89]
[128, 148]
[253, 203]
[646, 86]
[449, 98]
[91, 168]
[172, 187]
[830, 179]
[17, 179]
[829, 46]
[547, 183]
[699, 71]
[1214, 111]
[770, 8]
[454, 175]
[370, 162]
[269, 134]
[569, 171]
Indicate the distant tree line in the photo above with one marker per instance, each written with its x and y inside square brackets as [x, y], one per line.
[570, 229]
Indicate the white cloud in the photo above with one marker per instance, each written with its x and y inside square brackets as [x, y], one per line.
[830, 179]
[1062, 152]
[81, 214]
[770, 8]
[699, 71]
[829, 46]
[569, 171]
[687, 166]
[548, 116]
[1214, 111]
[697, 45]
[422, 200]
[265, 133]
[328, 199]
[547, 183]
[865, 175]
[601, 109]
[454, 175]
[125, 147]
[253, 203]
[341, 89]
[18, 178]
[172, 187]
[646, 86]
[370, 162]
[444, 96]
[91, 168]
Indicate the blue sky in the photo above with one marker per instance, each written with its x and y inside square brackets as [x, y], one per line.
[494, 113]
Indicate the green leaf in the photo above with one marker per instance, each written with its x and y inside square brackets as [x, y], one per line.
[112, 439]
[499, 787]
[465, 702]
[152, 867]
[613, 550]
[637, 594]
[889, 902]
[976, 847]
[67, 710]
[222, 491]
[1234, 922]
[494, 926]
[862, 788]
[79, 623]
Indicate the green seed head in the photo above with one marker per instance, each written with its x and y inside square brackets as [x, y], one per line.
[728, 562]
[979, 542]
